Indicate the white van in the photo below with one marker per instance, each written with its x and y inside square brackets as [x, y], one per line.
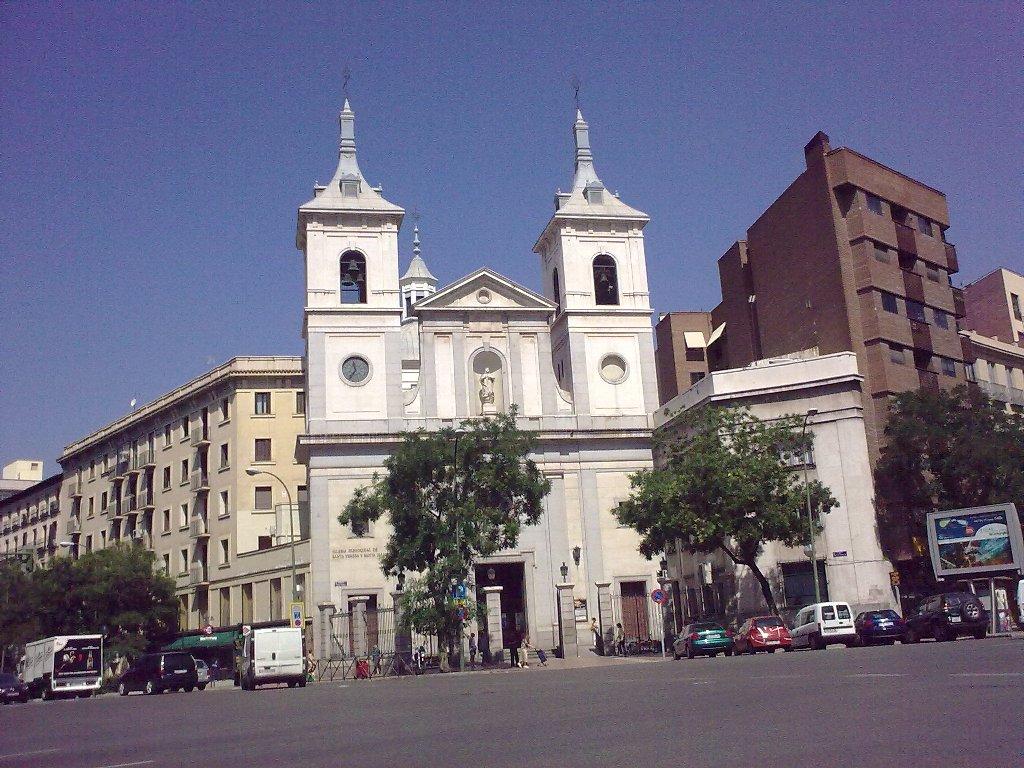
[822, 624]
[272, 655]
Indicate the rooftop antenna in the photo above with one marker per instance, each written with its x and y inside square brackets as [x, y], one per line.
[346, 75]
[575, 83]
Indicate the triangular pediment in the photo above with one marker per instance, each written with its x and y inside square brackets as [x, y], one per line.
[485, 290]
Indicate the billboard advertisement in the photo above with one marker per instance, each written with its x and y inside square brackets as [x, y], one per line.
[977, 540]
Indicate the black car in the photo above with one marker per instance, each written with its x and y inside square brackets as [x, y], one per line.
[947, 617]
[12, 689]
[879, 627]
[159, 672]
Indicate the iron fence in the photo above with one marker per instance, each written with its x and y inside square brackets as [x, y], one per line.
[373, 643]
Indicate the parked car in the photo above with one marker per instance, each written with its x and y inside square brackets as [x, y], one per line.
[762, 633]
[822, 624]
[884, 627]
[202, 675]
[947, 617]
[702, 639]
[159, 672]
[12, 689]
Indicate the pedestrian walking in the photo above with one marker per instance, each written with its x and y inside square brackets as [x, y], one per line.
[513, 647]
[524, 651]
[620, 640]
[375, 655]
[598, 640]
[472, 650]
[418, 657]
[310, 666]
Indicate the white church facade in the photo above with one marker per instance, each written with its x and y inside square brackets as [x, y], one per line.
[387, 354]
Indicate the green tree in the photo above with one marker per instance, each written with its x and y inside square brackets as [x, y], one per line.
[720, 483]
[451, 496]
[944, 450]
[116, 590]
[18, 621]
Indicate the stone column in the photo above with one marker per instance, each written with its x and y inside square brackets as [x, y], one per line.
[403, 636]
[327, 610]
[495, 640]
[358, 605]
[604, 613]
[568, 647]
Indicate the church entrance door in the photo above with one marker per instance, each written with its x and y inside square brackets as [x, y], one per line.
[511, 577]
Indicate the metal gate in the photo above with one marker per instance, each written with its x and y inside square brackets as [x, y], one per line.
[642, 623]
[351, 643]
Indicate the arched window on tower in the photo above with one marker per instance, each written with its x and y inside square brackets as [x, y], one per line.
[353, 278]
[606, 288]
[556, 286]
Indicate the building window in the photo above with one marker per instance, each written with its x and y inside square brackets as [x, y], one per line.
[184, 427]
[353, 278]
[1015, 303]
[225, 551]
[167, 564]
[915, 311]
[889, 303]
[88, 543]
[224, 413]
[262, 449]
[183, 515]
[262, 404]
[184, 470]
[969, 371]
[224, 455]
[167, 435]
[606, 290]
[941, 319]
[183, 561]
[924, 226]
[696, 376]
[92, 506]
[881, 253]
[922, 360]
[874, 204]
[948, 367]
[92, 469]
[300, 402]
[896, 355]
[359, 528]
[167, 478]
[225, 510]
[556, 288]
[167, 520]
[263, 498]
[264, 542]
[932, 273]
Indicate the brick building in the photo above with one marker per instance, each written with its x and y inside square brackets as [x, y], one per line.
[995, 306]
[681, 356]
[851, 256]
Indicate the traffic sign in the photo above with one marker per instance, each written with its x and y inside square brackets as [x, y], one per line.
[208, 629]
[297, 619]
[660, 596]
[461, 613]
[459, 591]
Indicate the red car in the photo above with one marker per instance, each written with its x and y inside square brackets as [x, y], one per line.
[763, 633]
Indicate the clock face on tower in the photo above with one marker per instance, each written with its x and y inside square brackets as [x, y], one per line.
[355, 370]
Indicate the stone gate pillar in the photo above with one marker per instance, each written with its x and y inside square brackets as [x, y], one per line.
[604, 613]
[403, 636]
[324, 650]
[495, 639]
[568, 645]
[358, 605]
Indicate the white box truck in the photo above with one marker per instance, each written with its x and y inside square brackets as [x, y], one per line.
[66, 665]
[272, 655]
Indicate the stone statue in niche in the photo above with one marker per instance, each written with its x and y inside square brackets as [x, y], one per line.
[487, 405]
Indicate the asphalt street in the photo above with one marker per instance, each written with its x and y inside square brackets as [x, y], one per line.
[933, 704]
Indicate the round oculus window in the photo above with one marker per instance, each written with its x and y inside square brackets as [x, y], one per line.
[355, 370]
[613, 369]
[483, 296]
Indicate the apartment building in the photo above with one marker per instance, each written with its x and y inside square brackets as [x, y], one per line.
[852, 256]
[681, 354]
[171, 475]
[995, 306]
[30, 521]
[19, 475]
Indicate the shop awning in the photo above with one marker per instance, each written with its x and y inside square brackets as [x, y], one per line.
[213, 640]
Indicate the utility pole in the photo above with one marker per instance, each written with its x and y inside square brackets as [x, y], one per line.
[810, 515]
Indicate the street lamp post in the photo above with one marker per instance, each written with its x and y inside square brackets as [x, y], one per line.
[252, 472]
[458, 543]
[810, 515]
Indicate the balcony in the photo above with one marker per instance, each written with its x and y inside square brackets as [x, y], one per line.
[146, 499]
[998, 392]
[199, 437]
[197, 527]
[147, 458]
[54, 508]
[120, 467]
[906, 239]
[75, 489]
[951, 259]
[132, 503]
[197, 575]
[200, 481]
[73, 527]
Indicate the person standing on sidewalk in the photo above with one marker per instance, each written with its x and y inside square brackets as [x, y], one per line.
[620, 640]
[598, 640]
[513, 647]
[472, 650]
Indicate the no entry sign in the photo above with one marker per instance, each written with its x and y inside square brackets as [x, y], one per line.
[660, 596]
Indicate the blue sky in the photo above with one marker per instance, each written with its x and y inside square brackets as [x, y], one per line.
[152, 156]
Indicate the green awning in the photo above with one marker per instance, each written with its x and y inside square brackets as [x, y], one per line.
[213, 640]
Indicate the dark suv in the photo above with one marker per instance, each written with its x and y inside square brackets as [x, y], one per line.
[159, 672]
[947, 617]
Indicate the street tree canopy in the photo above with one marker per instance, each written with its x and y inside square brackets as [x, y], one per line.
[720, 483]
[450, 497]
[944, 450]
